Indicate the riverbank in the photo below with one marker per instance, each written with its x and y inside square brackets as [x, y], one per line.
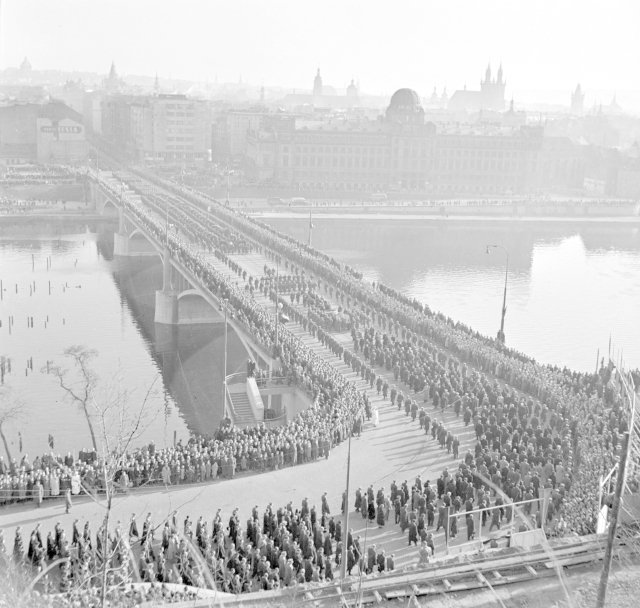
[356, 214]
[57, 215]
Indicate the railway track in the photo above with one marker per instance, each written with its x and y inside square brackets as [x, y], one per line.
[466, 573]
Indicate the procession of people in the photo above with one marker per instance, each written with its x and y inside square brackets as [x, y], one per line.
[536, 428]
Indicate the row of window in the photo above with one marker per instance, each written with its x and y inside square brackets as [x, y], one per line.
[418, 185]
[380, 163]
[411, 151]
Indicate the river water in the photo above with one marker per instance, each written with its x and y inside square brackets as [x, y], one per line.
[571, 284]
[173, 377]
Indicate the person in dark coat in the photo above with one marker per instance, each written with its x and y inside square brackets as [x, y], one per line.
[372, 510]
[380, 515]
[351, 561]
[453, 527]
[470, 527]
[413, 533]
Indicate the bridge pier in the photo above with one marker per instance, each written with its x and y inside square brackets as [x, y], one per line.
[166, 298]
[121, 244]
[166, 307]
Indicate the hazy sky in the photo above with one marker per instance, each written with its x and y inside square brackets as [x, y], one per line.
[545, 45]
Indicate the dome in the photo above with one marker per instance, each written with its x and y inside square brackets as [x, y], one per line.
[405, 100]
[405, 108]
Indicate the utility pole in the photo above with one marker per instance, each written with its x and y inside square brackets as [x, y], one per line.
[277, 311]
[345, 531]
[310, 228]
[224, 380]
[500, 336]
[613, 526]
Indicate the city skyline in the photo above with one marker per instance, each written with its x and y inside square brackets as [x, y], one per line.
[420, 45]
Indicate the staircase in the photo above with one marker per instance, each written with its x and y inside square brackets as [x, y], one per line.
[242, 413]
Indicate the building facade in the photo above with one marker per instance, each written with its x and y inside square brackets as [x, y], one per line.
[158, 128]
[170, 128]
[48, 133]
[402, 152]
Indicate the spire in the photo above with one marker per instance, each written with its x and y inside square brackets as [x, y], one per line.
[487, 74]
[499, 81]
[156, 84]
[317, 84]
[112, 72]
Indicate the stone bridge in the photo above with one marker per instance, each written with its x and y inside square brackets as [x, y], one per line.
[183, 300]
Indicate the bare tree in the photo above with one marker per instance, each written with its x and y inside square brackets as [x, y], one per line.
[11, 409]
[81, 391]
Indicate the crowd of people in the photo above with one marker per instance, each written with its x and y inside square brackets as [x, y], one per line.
[536, 427]
[286, 545]
[582, 402]
[279, 547]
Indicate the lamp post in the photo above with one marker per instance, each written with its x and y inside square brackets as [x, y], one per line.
[500, 336]
[345, 531]
[224, 380]
[277, 309]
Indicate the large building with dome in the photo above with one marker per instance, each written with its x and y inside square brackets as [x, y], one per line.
[401, 152]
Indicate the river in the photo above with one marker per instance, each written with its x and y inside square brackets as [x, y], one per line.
[106, 305]
[571, 285]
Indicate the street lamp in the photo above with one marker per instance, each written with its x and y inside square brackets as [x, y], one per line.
[277, 303]
[500, 336]
[224, 380]
[345, 531]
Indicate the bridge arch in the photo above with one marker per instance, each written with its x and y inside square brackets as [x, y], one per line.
[139, 242]
[109, 208]
[193, 308]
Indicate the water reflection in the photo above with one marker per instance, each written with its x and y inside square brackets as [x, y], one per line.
[106, 305]
[570, 285]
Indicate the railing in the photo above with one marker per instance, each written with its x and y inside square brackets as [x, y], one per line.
[229, 403]
[236, 378]
[278, 421]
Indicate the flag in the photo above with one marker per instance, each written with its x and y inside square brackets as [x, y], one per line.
[51, 442]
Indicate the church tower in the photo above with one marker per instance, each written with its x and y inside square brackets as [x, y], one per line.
[112, 83]
[317, 85]
[577, 101]
[492, 91]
